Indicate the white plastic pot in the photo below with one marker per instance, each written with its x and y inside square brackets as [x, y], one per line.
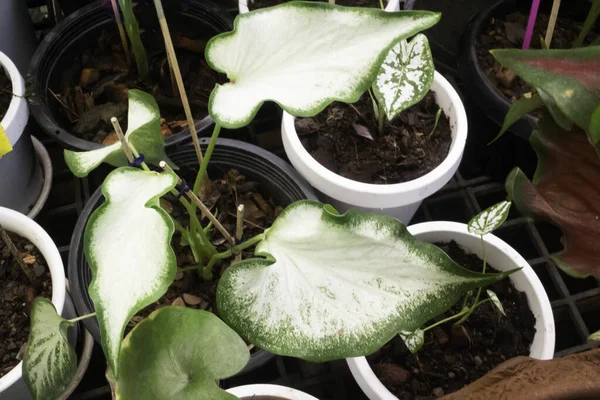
[12, 386]
[269, 392]
[400, 200]
[21, 176]
[393, 5]
[501, 256]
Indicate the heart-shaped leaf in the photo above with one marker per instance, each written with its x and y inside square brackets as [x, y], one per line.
[565, 186]
[413, 340]
[570, 77]
[178, 353]
[405, 75]
[303, 55]
[49, 363]
[336, 286]
[489, 219]
[143, 133]
[496, 301]
[127, 244]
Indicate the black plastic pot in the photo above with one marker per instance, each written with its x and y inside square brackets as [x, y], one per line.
[476, 84]
[275, 176]
[83, 27]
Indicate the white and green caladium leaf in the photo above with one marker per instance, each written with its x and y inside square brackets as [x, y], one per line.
[127, 245]
[303, 55]
[489, 219]
[49, 363]
[405, 76]
[335, 286]
[413, 340]
[496, 301]
[178, 354]
[143, 132]
[594, 337]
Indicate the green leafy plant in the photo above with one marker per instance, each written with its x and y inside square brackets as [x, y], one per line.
[482, 224]
[133, 31]
[323, 286]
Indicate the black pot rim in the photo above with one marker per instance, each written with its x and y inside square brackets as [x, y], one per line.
[79, 293]
[473, 75]
[38, 101]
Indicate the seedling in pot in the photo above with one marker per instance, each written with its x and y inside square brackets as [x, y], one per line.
[323, 286]
[482, 224]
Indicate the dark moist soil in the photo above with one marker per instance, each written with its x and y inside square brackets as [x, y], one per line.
[5, 93]
[508, 33]
[255, 4]
[95, 85]
[227, 194]
[404, 152]
[16, 298]
[448, 362]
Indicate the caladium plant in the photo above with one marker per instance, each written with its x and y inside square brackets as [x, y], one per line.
[482, 224]
[313, 265]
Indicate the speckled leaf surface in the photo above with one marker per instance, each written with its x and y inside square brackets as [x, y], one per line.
[303, 55]
[178, 353]
[335, 286]
[143, 132]
[405, 75]
[49, 362]
[127, 245]
[489, 219]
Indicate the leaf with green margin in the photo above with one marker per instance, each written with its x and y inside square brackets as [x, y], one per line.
[405, 75]
[143, 133]
[496, 301]
[178, 353]
[595, 123]
[560, 118]
[518, 110]
[565, 185]
[489, 219]
[303, 56]
[336, 286]
[594, 337]
[127, 245]
[570, 77]
[49, 363]
[413, 340]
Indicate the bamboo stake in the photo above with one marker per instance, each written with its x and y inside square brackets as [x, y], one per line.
[205, 211]
[177, 72]
[552, 22]
[239, 229]
[115, 8]
[125, 145]
[15, 253]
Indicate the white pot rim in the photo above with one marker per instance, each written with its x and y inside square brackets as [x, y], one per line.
[270, 390]
[393, 5]
[18, 88]
[18, 223]
[359, 366]
[384, 196]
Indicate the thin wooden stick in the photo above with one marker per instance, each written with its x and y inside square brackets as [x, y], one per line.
[205, 211]
[552, 22]
[177, 72]
[63, 104]
[239, 229]
[125, 145]
[15, 252]
[115, 8]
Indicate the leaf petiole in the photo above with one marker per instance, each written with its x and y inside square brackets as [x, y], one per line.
[72, 321]
[207, 272]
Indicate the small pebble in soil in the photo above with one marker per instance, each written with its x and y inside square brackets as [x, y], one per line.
[451, 375]
[477, 360]
[438, 392]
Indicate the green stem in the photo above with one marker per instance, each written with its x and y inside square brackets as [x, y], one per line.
[381, 121]
[381, 4]
[82, 317]
[590, 20]
[207, 273]
[136, 154]
[133, 31]
[475, 303]
[190, 268]
[375, 106]
[206, 159]
[445, 320]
